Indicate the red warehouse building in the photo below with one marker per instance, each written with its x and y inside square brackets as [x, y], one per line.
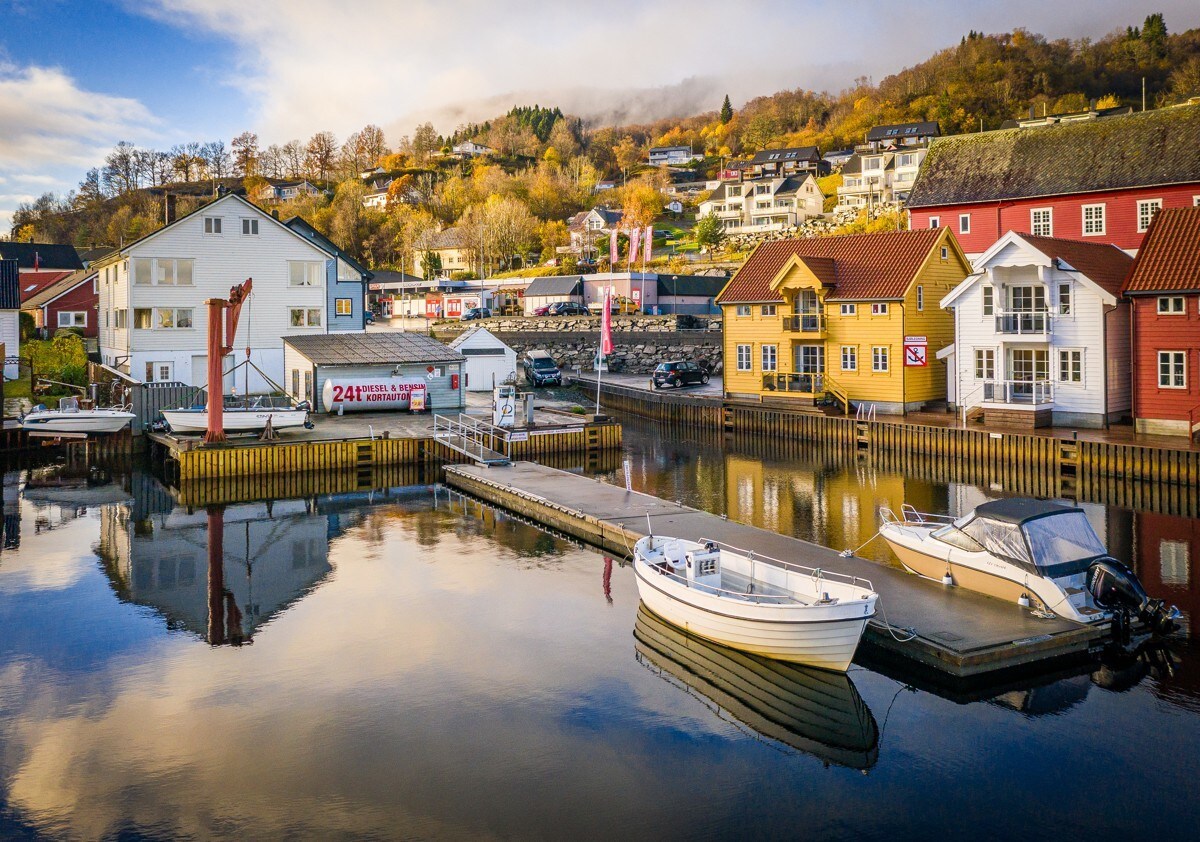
[1098, 179]
[1164, 288]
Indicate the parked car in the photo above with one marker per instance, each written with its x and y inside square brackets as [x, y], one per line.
[541, 369]
[566, 308]
[474, 313]
[678, 373]
[370, 317]
[541, 311]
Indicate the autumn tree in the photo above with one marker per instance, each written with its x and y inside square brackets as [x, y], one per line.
[320, 153]
[627, 153]
[294, 157]
[641, 203]
[425, 141]
[244, 149]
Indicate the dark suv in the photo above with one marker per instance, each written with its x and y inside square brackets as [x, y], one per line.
[678, 373]
[541, 369]
[567, 308]
[475, 313]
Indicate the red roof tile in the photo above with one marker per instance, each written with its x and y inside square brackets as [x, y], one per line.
[32, 283]
[865, 266]
[1102, 263]
[1169, 259]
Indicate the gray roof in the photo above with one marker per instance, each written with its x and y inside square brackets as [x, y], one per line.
[10, 289]
[1150, 148]
[901, 131]
[693, 285]
[372, 349]
[792, 153]
[451, 238]
[555, 285]
[48, 256]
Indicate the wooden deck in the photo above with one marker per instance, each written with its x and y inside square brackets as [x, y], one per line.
[959, 633]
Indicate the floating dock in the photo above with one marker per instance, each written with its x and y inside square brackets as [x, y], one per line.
[958, 633]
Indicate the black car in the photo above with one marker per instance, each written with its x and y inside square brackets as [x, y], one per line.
[541, 369]
[678, 373]
[567, 308]
[475, 313]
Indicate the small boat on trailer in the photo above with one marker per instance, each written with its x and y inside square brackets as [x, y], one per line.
[247, 416]
[1037, 553]
[754, 603]
[69, 418]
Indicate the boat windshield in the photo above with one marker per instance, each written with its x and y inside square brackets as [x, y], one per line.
[998, 538]
[1060, 540]
[955, 537]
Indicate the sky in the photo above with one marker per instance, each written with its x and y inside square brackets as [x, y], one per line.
[76, 77]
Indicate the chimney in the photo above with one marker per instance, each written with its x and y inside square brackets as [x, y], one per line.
[1031, 112]
[168, 208]
[1092, 105]
[275, 213]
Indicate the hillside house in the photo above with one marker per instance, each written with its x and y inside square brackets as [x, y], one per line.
[41, 257]
[900, 135]
[1164, 293]
[776, 163]
[873, 178]
[1041, 334]
[71, 302]
[661, 156]
[471, 149]
[769, 204]
[590, 231]
[153, 320]
[849, 319]
[1093, 180]
[284, 191]
[453, 246]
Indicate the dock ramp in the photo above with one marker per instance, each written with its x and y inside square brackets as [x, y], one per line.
[471, 437]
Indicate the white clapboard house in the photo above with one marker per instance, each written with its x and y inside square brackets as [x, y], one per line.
[1041, 334]
[153, 319]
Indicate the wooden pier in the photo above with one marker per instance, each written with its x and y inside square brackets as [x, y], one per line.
[958, 633]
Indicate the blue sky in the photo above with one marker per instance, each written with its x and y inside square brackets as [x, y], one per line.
[76, 77]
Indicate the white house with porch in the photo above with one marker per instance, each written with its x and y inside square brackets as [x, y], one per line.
[1041, 334]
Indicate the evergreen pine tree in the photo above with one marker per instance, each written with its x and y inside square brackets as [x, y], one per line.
[726, 110]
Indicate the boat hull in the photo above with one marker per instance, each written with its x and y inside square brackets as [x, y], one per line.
[826, 644]
[84, 421]
[970, 578]
[188, 421]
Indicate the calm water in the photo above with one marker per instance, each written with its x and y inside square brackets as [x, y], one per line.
[409, 664]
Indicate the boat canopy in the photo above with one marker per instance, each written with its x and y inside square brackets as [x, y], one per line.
[1046, 538]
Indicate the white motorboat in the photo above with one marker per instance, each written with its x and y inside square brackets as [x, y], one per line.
[1037, 553]
[753, 603]
[69, 418]
[247, 418]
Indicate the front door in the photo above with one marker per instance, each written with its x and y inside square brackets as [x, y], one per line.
[1025, 365]
[809, 364]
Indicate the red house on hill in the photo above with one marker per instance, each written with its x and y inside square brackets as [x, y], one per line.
[72, 301]
[1164, 288]
[1100, 179]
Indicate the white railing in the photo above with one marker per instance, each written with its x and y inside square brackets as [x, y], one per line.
[910, 516]
[1023, 322]
[474, 435]
[864, 412]
[1021, 392]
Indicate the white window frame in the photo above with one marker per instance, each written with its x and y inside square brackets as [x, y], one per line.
[849, 310]
[121, 318]
[770, 358]
[1142, 206]
[313, 271]
[920, 298]
[71, 318]
[306, 318]
[155, 368]
[880, 358]
[1170, 309]
[1069, 307]
[1196, 201]
[349, 302]
[964, 223]
[987, 297]
[849, 358]
[1046, 225]
[935, 222]
[985, 364]
[149, 311]
[879, 309]
[1095, 230]
[175, 319]
[212, 226]
[1065, 356]
[745, 358]
[159, 265]
[1173, 358]
[742, 310]
[249, 222]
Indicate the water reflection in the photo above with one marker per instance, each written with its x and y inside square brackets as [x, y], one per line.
[815, 711]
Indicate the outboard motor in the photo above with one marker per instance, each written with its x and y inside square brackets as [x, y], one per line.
[1115, 587]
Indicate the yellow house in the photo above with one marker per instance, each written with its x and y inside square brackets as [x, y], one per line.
[852, 319]
[454, 248]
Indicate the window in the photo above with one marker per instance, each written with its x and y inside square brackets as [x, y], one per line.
[1146, 211]
[768, 309]
[305, 317]
[935, 222]
[305, 274]
[1173, 562]
[872, 163]
[743, 309]
[120, 319]
[250, 227]
[157, 372]
[212, 225]
[72, 318]
[879, 309]
[964, 223]
[343, 306]
[879, 358]
[1070, 366]
[173, 318]
[1172, 305]
[849, 309]
[985, 364]
[1172, 369]
[849, 358]
[920, 297]
[1196, 201]
[143, 318]
[1064, 299]
[1093, 220]
[1041, 222]
[143, 268]
[768, 357]
[296, 383]
[989, 301]
[743, 358]
[163, 271]
[945, 253]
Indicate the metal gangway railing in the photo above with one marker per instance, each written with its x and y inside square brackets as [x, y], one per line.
[471, 437]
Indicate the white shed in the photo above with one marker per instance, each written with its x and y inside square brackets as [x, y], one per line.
[488, 360]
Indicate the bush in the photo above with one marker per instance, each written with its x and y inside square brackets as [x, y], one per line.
[28, 326]
[464, 275]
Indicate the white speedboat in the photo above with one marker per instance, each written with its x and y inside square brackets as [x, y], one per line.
[251, 418]
[1037, 553]
[753, 603]
[69, 418]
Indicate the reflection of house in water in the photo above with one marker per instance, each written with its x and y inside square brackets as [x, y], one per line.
[11, 538]
[158, 555]
[1167, 549]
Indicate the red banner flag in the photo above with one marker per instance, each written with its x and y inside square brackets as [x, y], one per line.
[606, 343]
[649, 243]
[633, 244]
[612, 247]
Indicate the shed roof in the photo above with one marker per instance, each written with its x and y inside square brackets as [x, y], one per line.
[479, 336]
[1137, 150]
[47, 255]
[706, 286]
[372, 349]
[861, 266]
[555, 285]
[52, 291]
[10, 292]
[1169, 259]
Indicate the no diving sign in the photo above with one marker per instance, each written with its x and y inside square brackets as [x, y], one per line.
[916, 351]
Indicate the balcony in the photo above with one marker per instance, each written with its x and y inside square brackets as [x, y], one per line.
[813, 323]
[1019, 392]
[801, 384]
[1023, 322]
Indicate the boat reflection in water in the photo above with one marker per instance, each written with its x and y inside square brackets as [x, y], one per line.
[815, 711]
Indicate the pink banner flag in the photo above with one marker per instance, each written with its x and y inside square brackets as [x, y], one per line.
[606, 343]
[649, 244]
[612, 247]
[633, 244]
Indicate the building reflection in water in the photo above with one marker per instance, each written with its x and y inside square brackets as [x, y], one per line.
[11, 538]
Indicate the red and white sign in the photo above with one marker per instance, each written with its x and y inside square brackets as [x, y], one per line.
[376, 393]
[916, 355]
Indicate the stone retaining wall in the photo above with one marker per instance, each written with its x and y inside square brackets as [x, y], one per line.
[633, 353]
[560, 324]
